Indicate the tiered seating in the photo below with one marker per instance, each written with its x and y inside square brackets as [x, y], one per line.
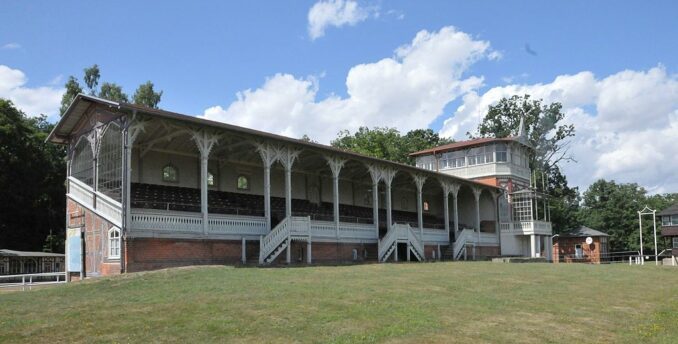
[177, 198]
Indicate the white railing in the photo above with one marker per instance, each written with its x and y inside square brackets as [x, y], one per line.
[460, 243]
[167, 221]
[105, 206]
[27, 280]
[526, 227]
[437, 236]
[270, 242]
[300, 226]
[237, 224]
[109, 208]
[386, 243]
[416, 244]
[351, 231]
[81, 192]
[494, 168]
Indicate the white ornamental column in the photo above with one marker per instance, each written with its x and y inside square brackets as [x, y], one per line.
[446, 204]
[388, 175]
[268, 157]
[455, 208]
[287, 155]
[476, 193]
[335, 164]
[205, 142]
[419, 180]
[375, 173]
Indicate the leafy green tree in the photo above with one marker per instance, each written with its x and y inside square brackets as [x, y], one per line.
[72, 89]
[613, 208]
[388, 143]
[92, 78]
[307, 138]
[32, 174]
[542, 127]
[112, 91]
[145, 95]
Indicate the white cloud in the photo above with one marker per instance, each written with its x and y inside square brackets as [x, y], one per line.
[626, 123]
[31, 100]
[11, 46]
[326, 13]
[407, 91]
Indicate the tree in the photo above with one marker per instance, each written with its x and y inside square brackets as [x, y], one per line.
[112, 91]
[549, 138]
[72, 89]
[307, 138]
[32, 174]
[388, 143]
[92, 78]
[146, 96]
[541, 126]
[612, 208]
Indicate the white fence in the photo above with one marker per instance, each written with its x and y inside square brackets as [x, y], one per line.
[31, 280]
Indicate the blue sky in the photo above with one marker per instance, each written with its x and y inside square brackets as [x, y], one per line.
[202, 55]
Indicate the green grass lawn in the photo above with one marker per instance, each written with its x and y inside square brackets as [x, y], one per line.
[440, 302]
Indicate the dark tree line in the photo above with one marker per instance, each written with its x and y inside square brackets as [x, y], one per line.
[32, 175]
[33, 172]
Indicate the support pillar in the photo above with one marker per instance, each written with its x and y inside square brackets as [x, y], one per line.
[287, 155]
[455, 209]
[388, 175]
[533, 246]
[268, 157]
[335, 165]
[476, 193]
[419, 180]
[205, 142]
[308, 251]
[288, 257]
[244, 250]
[376, 175]
[131, 130]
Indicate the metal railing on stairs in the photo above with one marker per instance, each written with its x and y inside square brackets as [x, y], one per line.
[281, 236]
[460, 243]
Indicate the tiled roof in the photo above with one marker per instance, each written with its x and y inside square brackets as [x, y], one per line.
[12, 253]
[582, 231]
[464, 144]
[672, 210]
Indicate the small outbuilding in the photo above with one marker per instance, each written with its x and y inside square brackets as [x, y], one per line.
[581, 245]
[22, 262]
[669, 228]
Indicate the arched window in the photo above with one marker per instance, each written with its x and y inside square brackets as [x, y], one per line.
[210, 179]
[82, 166]
[170, 174]
[113, 243]
[425, 206]
[243, 182]
[110, 162]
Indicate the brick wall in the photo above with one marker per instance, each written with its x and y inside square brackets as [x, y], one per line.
[96, 230]
[329, 253]
[155, 253]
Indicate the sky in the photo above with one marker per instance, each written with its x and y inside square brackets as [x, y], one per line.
[319, 67]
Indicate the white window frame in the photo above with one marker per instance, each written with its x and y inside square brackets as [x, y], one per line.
[675, 242]
[111, 239]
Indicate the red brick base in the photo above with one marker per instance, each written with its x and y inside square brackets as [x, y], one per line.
[153, 253]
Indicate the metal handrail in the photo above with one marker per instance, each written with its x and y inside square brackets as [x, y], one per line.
[30, 282]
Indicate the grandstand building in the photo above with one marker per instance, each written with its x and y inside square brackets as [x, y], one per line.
[150, 189]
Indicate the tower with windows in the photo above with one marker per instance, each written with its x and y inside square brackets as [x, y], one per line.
[523, 220]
